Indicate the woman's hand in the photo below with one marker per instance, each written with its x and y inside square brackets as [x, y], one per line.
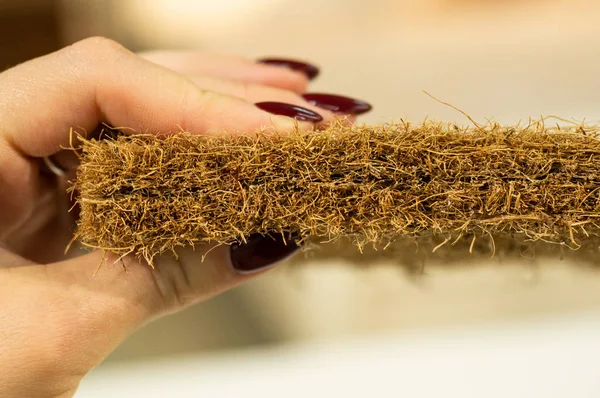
[58, 320]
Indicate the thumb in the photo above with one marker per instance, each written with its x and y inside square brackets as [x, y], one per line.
[113, 297]
[60, 320]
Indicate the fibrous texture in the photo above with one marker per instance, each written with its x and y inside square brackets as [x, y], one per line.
[368, 185]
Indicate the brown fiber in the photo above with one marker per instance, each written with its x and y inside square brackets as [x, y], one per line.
[439, 184]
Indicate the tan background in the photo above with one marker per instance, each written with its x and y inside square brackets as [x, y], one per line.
[506, 60]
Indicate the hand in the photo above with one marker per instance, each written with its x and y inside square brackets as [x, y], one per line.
[58, 320]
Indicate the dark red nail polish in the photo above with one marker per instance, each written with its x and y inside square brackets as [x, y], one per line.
[295, 111]
[309, 70]
[338, 103]
[261, 252]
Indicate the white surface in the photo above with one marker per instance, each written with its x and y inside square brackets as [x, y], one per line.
[555, 357]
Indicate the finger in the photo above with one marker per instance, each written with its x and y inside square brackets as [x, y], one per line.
[254, 93]
[119, 297]
[98, 80]
[173, 284]
[345, 108]
[236, 68]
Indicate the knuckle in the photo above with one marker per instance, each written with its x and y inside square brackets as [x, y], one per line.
[96, 49]
[99, 43]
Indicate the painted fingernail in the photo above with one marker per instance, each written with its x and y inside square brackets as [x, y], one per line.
[338, 103]
[295, 111]
[261, 252]
[309, 70]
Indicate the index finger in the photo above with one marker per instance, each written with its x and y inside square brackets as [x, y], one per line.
[97, 80]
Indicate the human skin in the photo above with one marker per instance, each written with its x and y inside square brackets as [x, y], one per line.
[58, 319]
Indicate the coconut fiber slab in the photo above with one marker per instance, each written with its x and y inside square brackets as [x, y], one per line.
[371, 192]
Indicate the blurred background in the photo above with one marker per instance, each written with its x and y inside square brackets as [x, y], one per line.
[528, 328]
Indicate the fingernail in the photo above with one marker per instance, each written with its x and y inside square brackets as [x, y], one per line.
[295, 111]
[338, 103]
[261, 252]
[309, 70]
